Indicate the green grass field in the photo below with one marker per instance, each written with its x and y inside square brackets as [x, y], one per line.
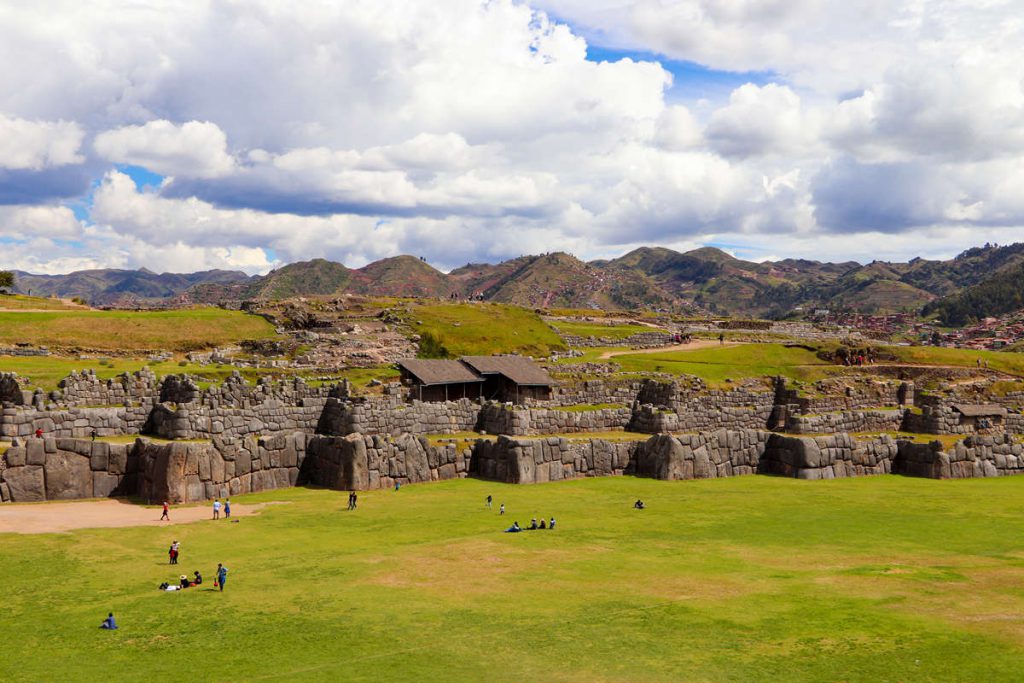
[1005, 361]
[127, 331]
[20, 302]
[583, 329]
[745, 579]
[715, 365]
[483, 329]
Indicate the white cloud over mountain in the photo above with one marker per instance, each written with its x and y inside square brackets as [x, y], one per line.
[465, 130]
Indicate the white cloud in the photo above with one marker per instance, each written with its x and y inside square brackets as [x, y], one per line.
[470, 129]
[34, 145]
[194, 149]
[20, 221]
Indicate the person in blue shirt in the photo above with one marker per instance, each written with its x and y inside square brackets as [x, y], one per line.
[222, 576]
[227, 508]
[109, 622]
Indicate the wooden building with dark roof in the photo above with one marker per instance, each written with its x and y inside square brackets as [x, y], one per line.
[440, 380]
[511, 378]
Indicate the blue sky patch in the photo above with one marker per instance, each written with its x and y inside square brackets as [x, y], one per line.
[691, 81]
[142, 177]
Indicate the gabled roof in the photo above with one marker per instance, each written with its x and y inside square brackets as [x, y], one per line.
[982, 410]
[523, 371]
[439, 371]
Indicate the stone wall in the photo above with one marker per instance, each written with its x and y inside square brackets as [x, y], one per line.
[594, 391]
[67, 469]
[391, 415]
[85, 389]
[498, 418]
[359, 461]
[196, 471]
[73, 422]
[846, 421]
[529, 461]
[975, 456]
[640, 340]
[828, 457]
[721, 453]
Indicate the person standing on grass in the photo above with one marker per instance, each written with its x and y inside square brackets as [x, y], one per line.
[488, 502]
[170, 554]
[227, 508]
[222, 576]
[216, 509]
[165, 515]
[501, 510]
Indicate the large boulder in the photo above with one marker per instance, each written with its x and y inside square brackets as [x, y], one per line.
[68, 476]
[25, 484]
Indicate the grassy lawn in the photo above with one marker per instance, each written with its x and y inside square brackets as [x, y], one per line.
[20, 302]
[584, 329]
[126, 331]
[1008, 362]
[715, 365]
[745, 579]
[483, 329]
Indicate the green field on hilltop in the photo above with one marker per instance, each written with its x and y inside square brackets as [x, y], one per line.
[483, 329]
[20, 302]
[744, 579]
[1005, 361]
[716, 364]
[127, 331]
[584, 329]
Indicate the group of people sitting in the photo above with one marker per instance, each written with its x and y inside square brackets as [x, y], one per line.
[183, 583]
[533, 525]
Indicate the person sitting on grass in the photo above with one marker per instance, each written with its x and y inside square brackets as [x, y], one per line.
[198, 579]
[183, 582]
[542, 523]
[513, 529]
[109, 622]
[533, 524]
[639, 504]
[552, 524]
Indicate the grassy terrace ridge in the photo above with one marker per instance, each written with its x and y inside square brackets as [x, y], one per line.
[127, 331]
[46, 372]
[1009, 362]
[716, 364]
[748, 578]
[20, 302]
[596, 330]
[484, 329]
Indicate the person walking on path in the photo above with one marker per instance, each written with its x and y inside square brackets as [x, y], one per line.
[216, 509]
[165, 515]
[222, 576]
[227, 508]
[488, 502]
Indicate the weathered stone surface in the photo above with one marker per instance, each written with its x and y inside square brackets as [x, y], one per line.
[25, 484]
[68, 476]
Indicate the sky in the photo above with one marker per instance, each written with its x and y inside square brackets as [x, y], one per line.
[186, 135]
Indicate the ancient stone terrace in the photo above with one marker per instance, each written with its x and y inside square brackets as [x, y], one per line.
[237, 438]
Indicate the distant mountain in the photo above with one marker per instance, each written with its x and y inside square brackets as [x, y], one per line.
[109, 286]
[982, 281]
[303, 278]
[1002, 292]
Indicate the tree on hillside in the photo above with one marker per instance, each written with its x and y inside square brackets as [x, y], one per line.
[6, 279]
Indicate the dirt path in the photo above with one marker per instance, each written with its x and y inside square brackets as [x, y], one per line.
[44, 518]
[692, 346]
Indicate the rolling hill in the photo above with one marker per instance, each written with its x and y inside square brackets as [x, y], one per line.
[980, 281]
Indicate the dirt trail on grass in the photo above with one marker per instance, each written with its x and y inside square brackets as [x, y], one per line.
[45, 518]
[692, 346]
